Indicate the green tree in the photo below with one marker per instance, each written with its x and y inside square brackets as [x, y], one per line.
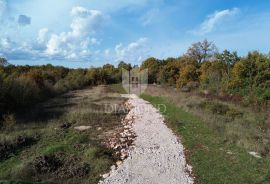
[169, 71]
[152, 65]
[251, 74]
[124, 65]
[228, 58]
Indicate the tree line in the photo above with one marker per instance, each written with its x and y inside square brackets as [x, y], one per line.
[202, 67]
[25, 86]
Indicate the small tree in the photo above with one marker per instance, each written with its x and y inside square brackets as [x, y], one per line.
[228, 58]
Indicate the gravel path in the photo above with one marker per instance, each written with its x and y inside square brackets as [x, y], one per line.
[157, 157]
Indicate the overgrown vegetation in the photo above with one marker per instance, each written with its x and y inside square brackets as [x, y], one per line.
[202, 68]
[218, 149]
[48, 149]
[24, 86]
[231, 121]
[224, 75]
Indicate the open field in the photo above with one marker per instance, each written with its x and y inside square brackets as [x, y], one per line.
[218, 136]
[41, 144]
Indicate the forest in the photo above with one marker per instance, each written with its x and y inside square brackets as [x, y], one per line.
[202, 69]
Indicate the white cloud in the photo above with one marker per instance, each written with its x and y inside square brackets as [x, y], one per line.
[85, 21]
[53, 45]
[120, 5]
[134, 52]
[214, 19]
[75, 43]
[5, 43]
[137, 44]
[149, 17]
[42, 35]
[16, 50]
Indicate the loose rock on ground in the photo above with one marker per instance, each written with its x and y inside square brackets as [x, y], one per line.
[157, 156]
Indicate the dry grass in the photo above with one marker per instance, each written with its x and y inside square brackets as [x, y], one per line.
[62, 153]
[234, 123]
[217, 144]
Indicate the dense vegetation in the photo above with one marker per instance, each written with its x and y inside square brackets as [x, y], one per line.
[202, 67]
[220, 74]
[24, 86]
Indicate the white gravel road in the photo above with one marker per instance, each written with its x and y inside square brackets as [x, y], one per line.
[157, 157]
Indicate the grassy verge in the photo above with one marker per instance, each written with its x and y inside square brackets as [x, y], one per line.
[118, 88]
[214, 161]
[48, 149]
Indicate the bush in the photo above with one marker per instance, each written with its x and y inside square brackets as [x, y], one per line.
[9, 121]
[22, 92]
[234, 113]
[47, 164]
[215, 107]
[266, 95]
[7, 148]
[61, 165]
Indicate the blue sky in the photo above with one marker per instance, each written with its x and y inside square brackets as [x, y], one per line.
[84, 33]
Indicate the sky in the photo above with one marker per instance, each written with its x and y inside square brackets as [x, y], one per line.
[85, 33]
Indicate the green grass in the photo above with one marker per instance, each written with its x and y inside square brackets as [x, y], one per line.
[90, 153]
[51, 149]
[209, 154]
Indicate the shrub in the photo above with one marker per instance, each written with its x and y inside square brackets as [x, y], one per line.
[7, 148]
[266, 95]
[61, 165]
[215, 107]
[9, 121]
[47, 164]
[234, 113]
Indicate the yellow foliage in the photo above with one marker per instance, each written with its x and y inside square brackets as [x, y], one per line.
[237, 71]
[204, 71]
[187, 74]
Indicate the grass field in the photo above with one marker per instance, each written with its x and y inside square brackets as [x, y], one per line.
[218, 137]
[41, 144]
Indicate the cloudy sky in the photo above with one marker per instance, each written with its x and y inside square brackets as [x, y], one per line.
[83, 33]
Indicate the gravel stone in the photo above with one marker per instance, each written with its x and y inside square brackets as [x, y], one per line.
[157, 157]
